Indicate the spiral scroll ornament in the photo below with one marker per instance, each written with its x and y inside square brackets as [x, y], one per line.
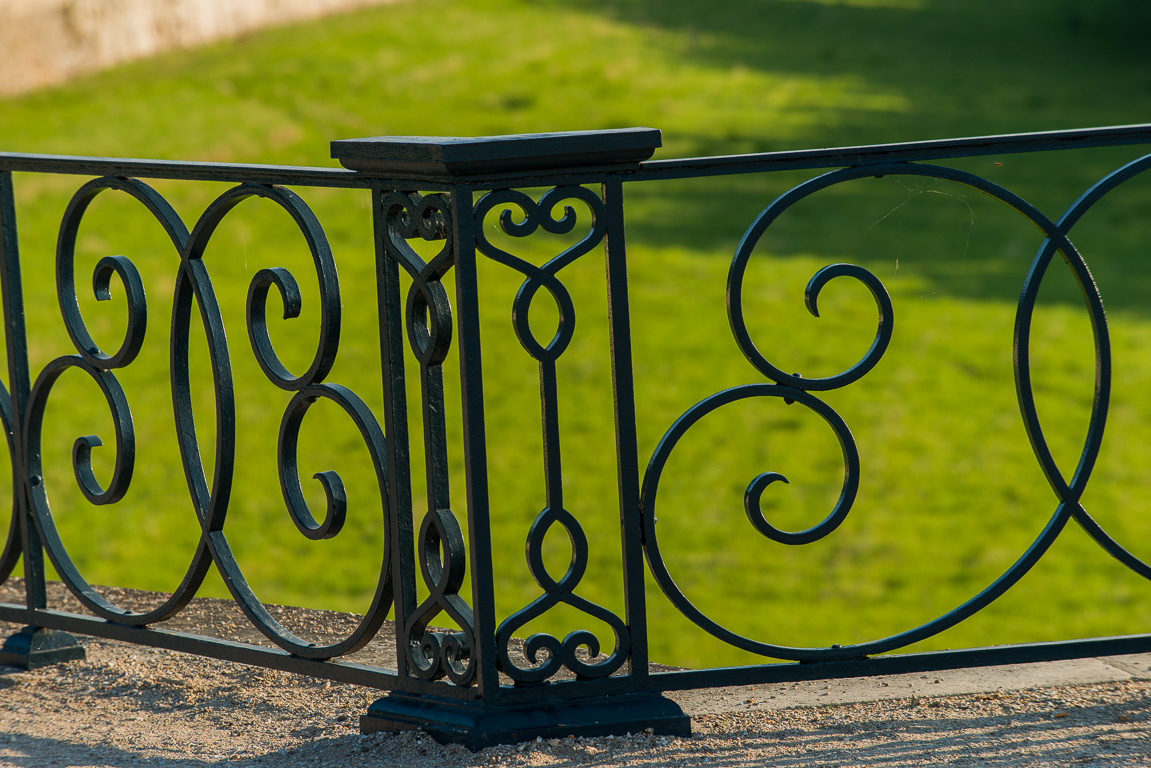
[100, 367]
[308, 387]
[210, 499]
[546, 653]
[796, 388]
[434, 654]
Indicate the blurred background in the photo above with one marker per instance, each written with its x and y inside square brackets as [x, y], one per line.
[950, 492]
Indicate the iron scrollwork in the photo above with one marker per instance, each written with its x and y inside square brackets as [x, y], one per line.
[431, 547]
[797, 389]
[100, 366]
[210, 500]
[1070, 492]
[792, 389]
[546, 652]
[432, 654]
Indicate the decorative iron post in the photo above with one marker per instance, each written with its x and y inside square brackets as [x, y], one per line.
[489, 697]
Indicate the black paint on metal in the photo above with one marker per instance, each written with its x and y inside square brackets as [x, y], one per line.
[475, 684]
[448, 158]
[476, 725]
[912, 151]
[34, 645]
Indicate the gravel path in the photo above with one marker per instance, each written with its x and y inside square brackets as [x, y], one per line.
[132, 706]
[127, 706]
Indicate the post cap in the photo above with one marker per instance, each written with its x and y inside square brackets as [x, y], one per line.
[448, 158]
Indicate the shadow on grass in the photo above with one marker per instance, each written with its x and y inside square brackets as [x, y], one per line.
[936, 70]
[963, 66]
[923, 237]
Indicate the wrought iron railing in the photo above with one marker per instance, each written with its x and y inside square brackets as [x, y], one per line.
[475, 683]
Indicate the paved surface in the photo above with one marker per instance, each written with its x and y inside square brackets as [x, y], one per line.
[950, 683]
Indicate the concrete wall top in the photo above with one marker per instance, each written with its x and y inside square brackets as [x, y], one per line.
[48, 41]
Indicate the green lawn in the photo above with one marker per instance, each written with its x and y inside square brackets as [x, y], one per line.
[950, 494]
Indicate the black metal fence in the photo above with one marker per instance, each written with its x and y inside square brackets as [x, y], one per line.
[476, 683]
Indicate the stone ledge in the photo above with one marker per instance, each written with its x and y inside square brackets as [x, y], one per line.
[48, 41]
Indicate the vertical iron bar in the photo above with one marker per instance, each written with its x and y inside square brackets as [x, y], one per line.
[549, 406]
[435, 436]
[401, 533]
[627, 451]
[475, 442]
[16, 343]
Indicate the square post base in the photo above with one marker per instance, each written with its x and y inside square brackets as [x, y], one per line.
[478, 724]
[35, 647]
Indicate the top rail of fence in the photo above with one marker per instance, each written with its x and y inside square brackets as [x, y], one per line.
[186, 171]
[677, 168]
[914, 151]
